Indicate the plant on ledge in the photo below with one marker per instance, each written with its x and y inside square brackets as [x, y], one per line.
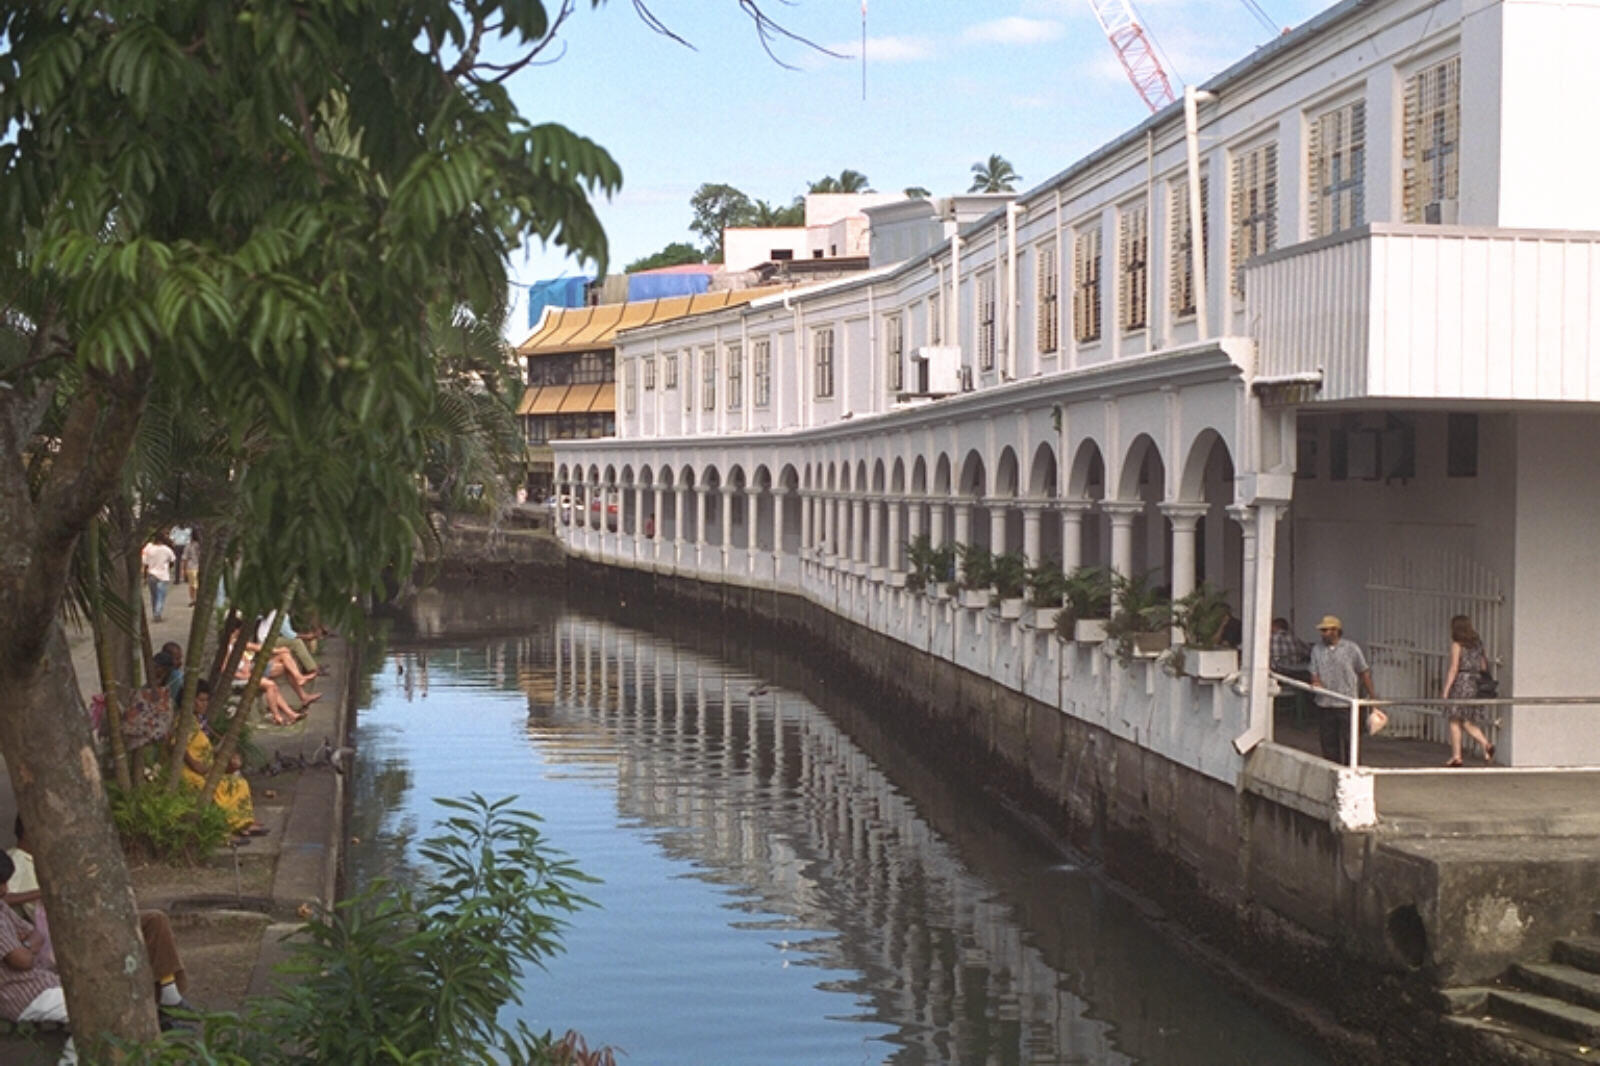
[1086, 592]
[1200, 615]
[1047, 585]
[1008, 574]
[927, 566]
[977, 566]
[1142, 615]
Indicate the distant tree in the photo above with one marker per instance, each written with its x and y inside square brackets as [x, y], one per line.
[994, 175]
[765, 215]
[675, 254]
[917, 192]
[715, 208]
[847, 181]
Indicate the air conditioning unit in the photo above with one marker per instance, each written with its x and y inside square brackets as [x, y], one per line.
[932, 370]
[1442, 212]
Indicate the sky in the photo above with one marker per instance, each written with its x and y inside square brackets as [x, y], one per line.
[948, 82]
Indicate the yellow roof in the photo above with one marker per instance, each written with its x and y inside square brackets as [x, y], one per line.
[606, 399]
[583, 329]
[525, 407]
[548, 402]
[578, 400]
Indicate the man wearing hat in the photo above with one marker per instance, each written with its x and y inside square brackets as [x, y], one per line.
[1338, 666]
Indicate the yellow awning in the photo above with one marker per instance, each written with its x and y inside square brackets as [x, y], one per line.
[525, 406]
[578, 399]
[572, 323]
[605, 400]
[586, 329]
[602, 325]
[548, 402]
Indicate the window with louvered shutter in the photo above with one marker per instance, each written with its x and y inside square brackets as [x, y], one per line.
[1086, 285]
[894, 352]
[629, 396]
[1431, 145]
[708, 376]
[822, 362]
[1133, 258]
[986, 321]
[1255, 209]
[669, 374]
[1336, 166]
[935, 320]
[734, 354]
[1048, 301]
[1180, 242]
[761, 373]
[649, 373]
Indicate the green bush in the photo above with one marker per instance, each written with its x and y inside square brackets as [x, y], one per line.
[413, 972]
[1047, 585]
[1200, 614]
[167, 825]
[977, 566]
[1086, 593]
[1008, 573]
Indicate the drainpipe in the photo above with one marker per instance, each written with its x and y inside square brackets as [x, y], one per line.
[802, 402]
[875, 394]
[952, 314]
[1012, 211]
[1192, 98]
[1259, 638]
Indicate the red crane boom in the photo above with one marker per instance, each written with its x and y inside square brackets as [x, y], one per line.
[1134, 51]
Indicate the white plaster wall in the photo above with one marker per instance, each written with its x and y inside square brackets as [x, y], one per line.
[1555, 610]
[1547, 154]
[743, 249]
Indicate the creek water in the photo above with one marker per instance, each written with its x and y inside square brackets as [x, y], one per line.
[781, 882]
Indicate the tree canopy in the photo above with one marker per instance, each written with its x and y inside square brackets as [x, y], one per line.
[847, 181]
[676, 253]
[716, 207]
[994, 174]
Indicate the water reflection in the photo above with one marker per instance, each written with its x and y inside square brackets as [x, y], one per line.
[778, 889]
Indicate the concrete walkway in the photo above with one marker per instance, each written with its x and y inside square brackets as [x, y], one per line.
[232, 912]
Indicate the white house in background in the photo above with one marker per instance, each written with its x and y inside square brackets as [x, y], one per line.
[836, 228]
[1376, 398]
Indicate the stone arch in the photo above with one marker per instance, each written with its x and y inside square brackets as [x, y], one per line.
[1005, 473]
[942, 480]
[1141, 465]
[974, 477]
[1042, 475]
[897, 476]
[1203, 453]
[1087, 480]
[919, 476]
[879, 479]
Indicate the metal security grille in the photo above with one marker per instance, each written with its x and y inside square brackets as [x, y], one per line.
[1086, 285]
[1133, 255]
[1181, 242]
[1432, 143]
[1410, 604]
[1336, 158]
[1255, 209]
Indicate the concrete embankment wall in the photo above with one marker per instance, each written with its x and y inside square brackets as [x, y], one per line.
[1294, 911]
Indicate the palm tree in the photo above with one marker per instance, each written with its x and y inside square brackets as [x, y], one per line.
[917, 192]
[847, 181]
[995, 175]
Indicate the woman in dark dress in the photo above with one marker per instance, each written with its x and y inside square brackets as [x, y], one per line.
[1468, 661]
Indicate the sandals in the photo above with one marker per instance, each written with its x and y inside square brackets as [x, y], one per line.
[1488, 753]
[1453, 762]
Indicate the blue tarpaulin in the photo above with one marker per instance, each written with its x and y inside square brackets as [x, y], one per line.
[656, 286]
[554, 292]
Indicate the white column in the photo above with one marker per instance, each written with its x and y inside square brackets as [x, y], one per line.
[1184, 517]
[830, 526]
[936, 524]
[638, 518]
[997, 525]
[1031, 515]
[1247, 518]
[1122, 515]
[913, 517]
[875, 531]
[752, 508]
[1072, 513]
[892, 558]
[680, 523]
[727, 525]
[656, 516]
[778, 497]
[700, 543]
[585, 502]
[806, 537]
[963, 521]
[858, 506]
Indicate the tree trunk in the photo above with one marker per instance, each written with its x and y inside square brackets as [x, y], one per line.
[93, 918]
[209, 563]
[105, 658]
[230, 740]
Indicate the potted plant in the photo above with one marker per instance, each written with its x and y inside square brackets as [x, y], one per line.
[1142, 621]
[1201, 615]
[1047, 591]
[1009, 576]
[927, 567]
[977, 574]
[1086, 593]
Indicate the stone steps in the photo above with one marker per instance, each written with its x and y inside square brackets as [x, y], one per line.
[1552, 1005]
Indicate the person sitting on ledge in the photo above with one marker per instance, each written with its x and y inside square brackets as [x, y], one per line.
[233, 791]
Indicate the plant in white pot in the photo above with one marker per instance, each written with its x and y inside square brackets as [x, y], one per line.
[1202, 615]
[977, 574]
[1008, 574]
[1047, 593]
[1141, 624]
[1086, 594]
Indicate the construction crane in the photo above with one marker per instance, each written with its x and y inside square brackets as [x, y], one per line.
[1135, 52]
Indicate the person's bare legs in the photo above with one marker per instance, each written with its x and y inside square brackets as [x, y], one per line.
[1483, 741]
[1455, 743]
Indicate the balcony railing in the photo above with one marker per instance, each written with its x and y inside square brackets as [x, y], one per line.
[1423, 312]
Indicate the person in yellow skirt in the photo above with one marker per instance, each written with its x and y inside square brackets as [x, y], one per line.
[233, 791]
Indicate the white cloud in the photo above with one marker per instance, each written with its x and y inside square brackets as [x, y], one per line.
[887, 49]
[1014, 29]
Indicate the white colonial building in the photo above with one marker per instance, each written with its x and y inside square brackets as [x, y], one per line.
[1375, 400]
